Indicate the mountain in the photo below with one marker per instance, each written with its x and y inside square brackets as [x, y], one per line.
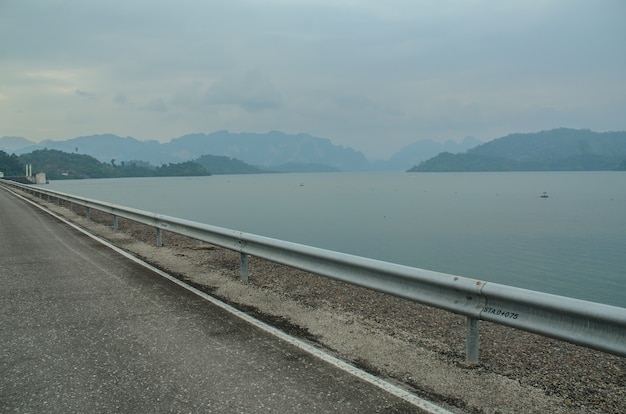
[10, 165]
[263, 150]
[107, 147]
[271, 149]
[560, 149]
[11, 144]
[293, 167]
[422, 150]
[219, 164]
[60, 165]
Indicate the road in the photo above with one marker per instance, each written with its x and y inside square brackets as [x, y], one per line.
[85, 329]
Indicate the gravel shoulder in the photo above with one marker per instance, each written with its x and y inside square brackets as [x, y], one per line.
[418, 347]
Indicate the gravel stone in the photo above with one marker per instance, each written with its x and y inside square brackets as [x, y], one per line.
[417, 346]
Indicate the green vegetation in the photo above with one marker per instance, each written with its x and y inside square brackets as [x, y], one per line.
[302, 167]
[447, 162]
[10, 165]
[556, 150]
[218, 164]
[183, 169]
[59, 165]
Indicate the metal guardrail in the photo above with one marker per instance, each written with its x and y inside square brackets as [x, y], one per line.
[589, 324]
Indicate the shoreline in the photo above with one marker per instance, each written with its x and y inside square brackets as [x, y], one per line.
[416, 346]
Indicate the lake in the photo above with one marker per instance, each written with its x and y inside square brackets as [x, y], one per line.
[490, 226]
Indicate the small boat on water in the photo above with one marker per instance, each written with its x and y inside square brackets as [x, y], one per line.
[544, 195]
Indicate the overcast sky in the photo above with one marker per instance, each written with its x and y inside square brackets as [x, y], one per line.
[369, 74]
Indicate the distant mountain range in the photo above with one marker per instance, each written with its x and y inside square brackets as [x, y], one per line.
[421, 150]
[560, 149]
[272, 151]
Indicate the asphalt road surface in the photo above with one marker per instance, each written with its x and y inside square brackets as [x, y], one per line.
[85, 329]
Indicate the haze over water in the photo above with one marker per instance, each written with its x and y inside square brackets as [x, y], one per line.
[489, 226]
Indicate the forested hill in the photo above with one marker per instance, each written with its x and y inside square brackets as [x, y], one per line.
[10, 164]
[60, 165]
[266, 151]
[560, 149]
[219, 164]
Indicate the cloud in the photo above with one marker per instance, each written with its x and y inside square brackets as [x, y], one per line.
[155, 105]
[189, 97]
[84, 94]
[252, 91]
[120, 99]
[369, 74]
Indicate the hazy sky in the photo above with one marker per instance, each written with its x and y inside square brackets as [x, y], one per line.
[373, 75]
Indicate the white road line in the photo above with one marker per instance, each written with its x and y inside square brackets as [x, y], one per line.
[425, 405]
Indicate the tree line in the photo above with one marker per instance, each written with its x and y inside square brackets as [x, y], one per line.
[59, 165]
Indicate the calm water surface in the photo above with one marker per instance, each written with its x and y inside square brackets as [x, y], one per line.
[489, 226]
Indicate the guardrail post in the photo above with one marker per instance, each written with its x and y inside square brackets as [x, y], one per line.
[88, 215]
[115, 223]
[159, 240]
[243, 259]
[48, 198]
[588, 324]
[58, 202]
[472, 341]
[71, 208]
